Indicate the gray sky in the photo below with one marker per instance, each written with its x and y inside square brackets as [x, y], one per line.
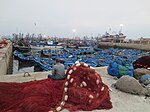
[88, 17]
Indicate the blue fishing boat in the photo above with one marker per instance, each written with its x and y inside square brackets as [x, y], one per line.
[23, 57]
[45, 64]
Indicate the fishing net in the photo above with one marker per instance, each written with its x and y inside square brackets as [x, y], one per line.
[82, 89]
[120, 69]
[142, 62]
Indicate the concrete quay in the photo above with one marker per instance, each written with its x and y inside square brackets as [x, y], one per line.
[6, 59]
[24, 77]
[144, 47]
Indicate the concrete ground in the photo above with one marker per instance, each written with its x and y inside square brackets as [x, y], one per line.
[122, 102]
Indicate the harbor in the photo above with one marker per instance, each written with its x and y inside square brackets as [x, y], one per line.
[74, 56]
[12, 65]
[118, 98]
[97, 60]
[36, 65]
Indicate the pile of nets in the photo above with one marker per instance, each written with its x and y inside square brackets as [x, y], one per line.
[3, 42]
[120, 69]
[142, 62]
[82, 89]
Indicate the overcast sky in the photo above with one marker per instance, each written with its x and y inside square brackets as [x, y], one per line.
[88, 17]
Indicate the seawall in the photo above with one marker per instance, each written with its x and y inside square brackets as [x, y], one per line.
[144, 47]
[6, 59]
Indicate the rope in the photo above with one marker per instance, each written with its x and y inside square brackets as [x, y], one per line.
[27, 74]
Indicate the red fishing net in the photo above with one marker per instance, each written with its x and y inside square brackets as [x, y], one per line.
[34, 96]
[142, 62]
[3, 42]
[83, 89]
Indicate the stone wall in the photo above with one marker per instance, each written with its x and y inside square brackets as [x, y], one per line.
[5, 59]
[125, 45]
